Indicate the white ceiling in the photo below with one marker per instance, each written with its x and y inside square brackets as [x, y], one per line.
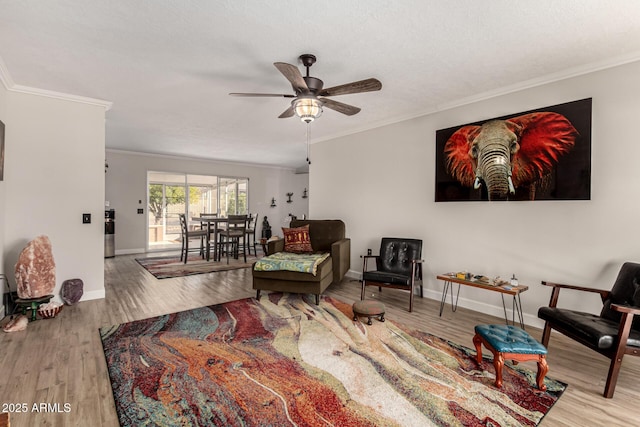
[168, 66]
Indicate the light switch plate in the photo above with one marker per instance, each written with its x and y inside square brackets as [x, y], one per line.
[86, 218]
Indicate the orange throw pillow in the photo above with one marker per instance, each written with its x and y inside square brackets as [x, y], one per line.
[296, 240]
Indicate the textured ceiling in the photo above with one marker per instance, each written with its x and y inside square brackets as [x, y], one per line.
[168, 66]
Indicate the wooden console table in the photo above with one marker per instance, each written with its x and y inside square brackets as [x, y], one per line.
[514, 291]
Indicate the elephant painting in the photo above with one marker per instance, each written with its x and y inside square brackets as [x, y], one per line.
[510, 155]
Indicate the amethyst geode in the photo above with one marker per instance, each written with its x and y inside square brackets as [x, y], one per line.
[71, 291]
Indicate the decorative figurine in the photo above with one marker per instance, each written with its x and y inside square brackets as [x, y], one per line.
[266, 229]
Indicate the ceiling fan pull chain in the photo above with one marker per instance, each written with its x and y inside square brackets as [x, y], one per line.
[308, 161]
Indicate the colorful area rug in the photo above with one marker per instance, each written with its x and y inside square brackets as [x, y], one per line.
[166, 267]
[285, 361]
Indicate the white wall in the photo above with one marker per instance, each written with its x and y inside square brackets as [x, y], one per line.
[54, 156]
[3, 118]
[126, 186]
[391, 192]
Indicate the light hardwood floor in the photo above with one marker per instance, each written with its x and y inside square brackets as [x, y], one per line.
[60, 361]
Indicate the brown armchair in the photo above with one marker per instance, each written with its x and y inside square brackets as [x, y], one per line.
[327, 235]
[613, 333]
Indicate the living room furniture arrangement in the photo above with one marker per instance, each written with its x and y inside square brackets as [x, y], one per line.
[508, 289]
[613, 333]
[508, 342]
[187, 235]
[398, 266]
[368, 309]
[327, 236]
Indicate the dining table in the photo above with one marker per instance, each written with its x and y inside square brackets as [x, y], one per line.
[213, 226]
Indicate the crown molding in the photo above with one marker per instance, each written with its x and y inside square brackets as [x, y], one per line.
[5, 78]
[198, 159]
[528, 84]
[10, 85]
[63, 96]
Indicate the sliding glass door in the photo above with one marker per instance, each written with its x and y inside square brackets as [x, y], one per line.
[170, 194]
[166, 199]
[202, 194]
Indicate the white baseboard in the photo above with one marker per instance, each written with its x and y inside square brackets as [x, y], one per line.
[352, 274]
[493, 310]
[99, 294]
[129, 251]
[86, 296]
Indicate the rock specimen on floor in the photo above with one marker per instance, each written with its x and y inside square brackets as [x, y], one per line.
[16, 324]
[71, 291]
[50, 309]
[35, 269]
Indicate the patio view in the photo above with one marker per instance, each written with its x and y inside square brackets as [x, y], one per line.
[170, 194]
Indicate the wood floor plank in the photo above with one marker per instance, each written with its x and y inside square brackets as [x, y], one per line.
[61, 360]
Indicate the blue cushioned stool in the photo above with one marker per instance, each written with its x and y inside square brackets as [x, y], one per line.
[510, 342]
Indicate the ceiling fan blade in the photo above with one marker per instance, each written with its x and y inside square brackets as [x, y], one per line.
[368, 85]
[292, 73]
[278, 95]
[340, 107]
[287, 113]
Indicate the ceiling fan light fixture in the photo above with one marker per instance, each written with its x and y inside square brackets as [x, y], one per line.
[307, 108]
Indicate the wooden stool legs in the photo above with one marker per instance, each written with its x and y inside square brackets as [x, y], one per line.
[369, 322]
[499, 358]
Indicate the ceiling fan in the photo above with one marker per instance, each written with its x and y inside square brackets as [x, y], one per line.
[310, 97]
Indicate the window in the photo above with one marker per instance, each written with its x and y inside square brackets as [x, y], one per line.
[233, 196]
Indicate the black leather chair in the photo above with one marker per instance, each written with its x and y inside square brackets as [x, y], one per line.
[613, 333]
[399, 266]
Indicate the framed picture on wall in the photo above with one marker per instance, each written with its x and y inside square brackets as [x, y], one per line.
[542, 154]
[1, 151]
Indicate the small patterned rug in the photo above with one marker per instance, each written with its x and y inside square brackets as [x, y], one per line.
[166, 267]
[285, 361]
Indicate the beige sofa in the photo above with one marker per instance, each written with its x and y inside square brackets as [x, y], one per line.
[326, 235]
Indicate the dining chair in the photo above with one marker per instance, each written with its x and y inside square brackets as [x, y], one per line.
[252, 223]
[191, 234]
[204, 214]
[236, 230]
[204, 225]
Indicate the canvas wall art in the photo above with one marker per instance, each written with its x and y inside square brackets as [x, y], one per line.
[542, 154]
